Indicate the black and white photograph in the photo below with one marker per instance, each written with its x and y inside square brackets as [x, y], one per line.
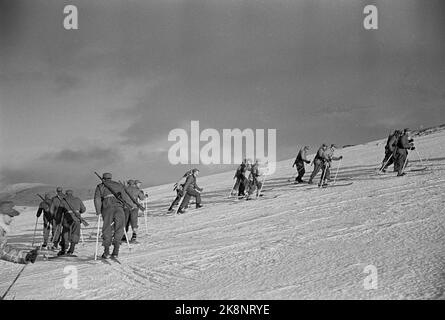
[222, 150]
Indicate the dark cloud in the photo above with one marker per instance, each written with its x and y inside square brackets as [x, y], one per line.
[105, 155]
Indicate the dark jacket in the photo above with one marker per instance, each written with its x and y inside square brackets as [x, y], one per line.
[319, 156]
[55, 204]
[241, 171]
[403, 142]
[135, 193]
[190, 183]
[104, 198]
[74, 206]
[392, 143]
[301, 157]
[44, 207]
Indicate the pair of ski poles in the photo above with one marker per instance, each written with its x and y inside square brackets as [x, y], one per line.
[406, 160]
[323, 176]
[97, 237]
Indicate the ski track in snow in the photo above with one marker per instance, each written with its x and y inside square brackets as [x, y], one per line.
[298, 242]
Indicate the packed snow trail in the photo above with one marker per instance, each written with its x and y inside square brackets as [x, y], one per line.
[296, 243]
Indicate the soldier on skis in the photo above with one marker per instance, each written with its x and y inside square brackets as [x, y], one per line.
[112, 211]
[327, 158]
[240, 176]
[299, 163]
[49, 223]
[8, 252]
[191, 189]
[317, 162]
[390, 148]
[253, 181]
[72, 208]
[131, 215]
[179, 188]
[401, 154]
[57, 212]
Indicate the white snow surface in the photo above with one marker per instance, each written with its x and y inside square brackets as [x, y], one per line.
[297, 242]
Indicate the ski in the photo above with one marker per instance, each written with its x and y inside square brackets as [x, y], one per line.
[66, 256]
[330, 186]
[420, 169]
[115, 260]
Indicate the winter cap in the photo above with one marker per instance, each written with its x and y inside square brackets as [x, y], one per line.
[195, 170]
[6, 207]
[130, 182]
[137, 181]
[70, 192]
[47, 196]
[107, 175]
[59, 189]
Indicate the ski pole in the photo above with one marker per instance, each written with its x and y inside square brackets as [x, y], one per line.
[12, 284]
[420, 158]
[81, 236]
[404, 165]
[262, 185]
[35, 229]
[97, 237]
[323, 173]
[126, 238]
[338, 167]
[383, 167]
[180, 203]
[146, 223]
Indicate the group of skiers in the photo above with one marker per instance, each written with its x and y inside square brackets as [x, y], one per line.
[118, 204]
[322, 161]
[62, 219]
[396, 151]
[247, 179]
[186, 188]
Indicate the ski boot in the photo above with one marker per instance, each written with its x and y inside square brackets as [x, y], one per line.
[115, 253]
[133, 238]
[106, 253]
[71, 249]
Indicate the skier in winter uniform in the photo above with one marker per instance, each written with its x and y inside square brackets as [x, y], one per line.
[253, 181]
[403, 145]
[327, 158]
[317, 162]
[179, 188]
[390, 148]
[49, 223]
[57, 212]
[299, 163]
[240, 176]
[141, 195]
[191, 189]
[131, 215]
[8, 252]
[112, 211]
[73, 207]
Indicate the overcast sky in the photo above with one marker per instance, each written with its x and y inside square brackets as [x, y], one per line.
[105, 97]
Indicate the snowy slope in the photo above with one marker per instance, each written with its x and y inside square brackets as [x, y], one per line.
[298, 242]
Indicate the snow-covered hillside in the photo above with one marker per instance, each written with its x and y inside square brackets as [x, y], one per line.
[297, 242]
